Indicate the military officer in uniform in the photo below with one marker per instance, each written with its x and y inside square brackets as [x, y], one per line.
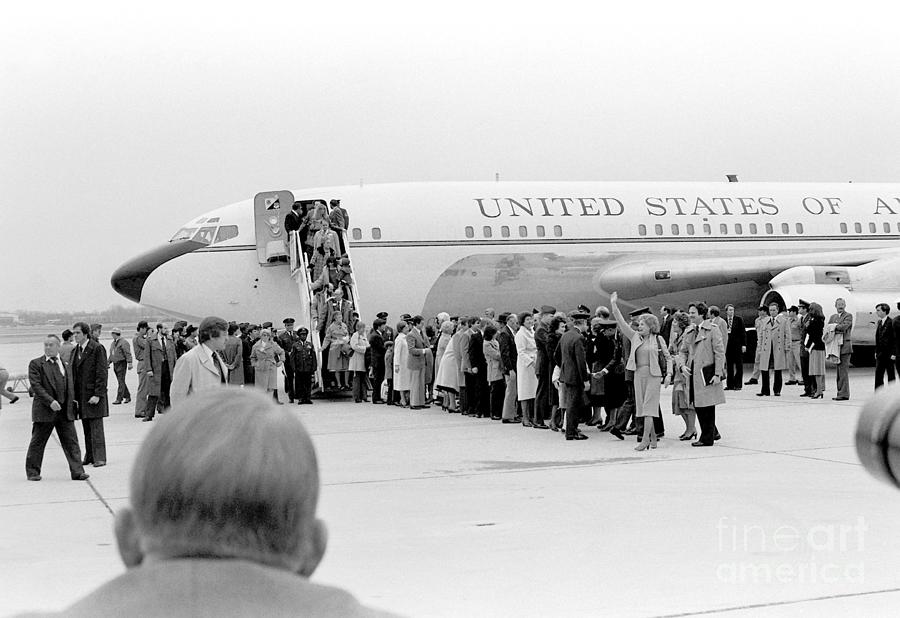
[303, 360]
[286, 339]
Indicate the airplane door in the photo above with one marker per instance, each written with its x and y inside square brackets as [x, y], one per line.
[269, 210]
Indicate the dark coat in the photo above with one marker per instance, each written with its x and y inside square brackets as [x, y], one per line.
[573, 369]
[737, 337]
[544, 363]
[476, 353]
[155, 364]
[896, 322]
[814, 329]
[303, 356]
[90, 374]
[286, 340]
[49, 386]
[509, 356]
[885, 339]
[376, 350]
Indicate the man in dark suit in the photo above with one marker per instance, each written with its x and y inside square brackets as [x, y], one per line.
[843, 322]
[809, 386]
[476, 381]
[506, 339]
[52, 408]
[90, 375]
[734, 351]
[161, 357]
[665, 327]
[885, 345]
[376, 349]
[140, 355]
[543, 366]
[574, 377]
[896, 321]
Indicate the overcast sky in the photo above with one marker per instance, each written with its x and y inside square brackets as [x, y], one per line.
[120, 122]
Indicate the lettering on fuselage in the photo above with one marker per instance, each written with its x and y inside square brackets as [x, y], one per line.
[661, 206]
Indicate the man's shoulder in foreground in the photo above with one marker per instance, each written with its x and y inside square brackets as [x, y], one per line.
[209, 587]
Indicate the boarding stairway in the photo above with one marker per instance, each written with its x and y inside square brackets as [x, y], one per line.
[300, 272]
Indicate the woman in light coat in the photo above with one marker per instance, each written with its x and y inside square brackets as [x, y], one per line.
[773, 345]
[402, 374]
[526, 378]
[359, 343]
[702, 347]
[336, 338]
[265, 357]
[446, 368]
[649, 371]
[681, 404]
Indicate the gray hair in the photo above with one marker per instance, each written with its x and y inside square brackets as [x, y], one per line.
[226, 473]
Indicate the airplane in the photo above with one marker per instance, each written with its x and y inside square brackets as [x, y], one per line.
[460, 247]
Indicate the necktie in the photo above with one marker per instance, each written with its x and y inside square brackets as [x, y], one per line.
[55, 361]
[219, 367]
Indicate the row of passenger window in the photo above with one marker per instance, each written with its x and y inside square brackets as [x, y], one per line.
[488, 232]
[873, 228]
[753, 229]
[357, 233]
[706, 229]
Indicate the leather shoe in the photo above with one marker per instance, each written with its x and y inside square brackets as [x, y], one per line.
[540, 426]
[777, 394]
[614, 431]
[718, 436]
[509, 421]
[840, 398]
[728, 388]
[527, 424]
[762, 394]
[14, 400]
[81, 477]
[126, 401]
[99, 464]
[699, 443]
[34, 477]
[579, 436]
[117, 403]
[751, 381]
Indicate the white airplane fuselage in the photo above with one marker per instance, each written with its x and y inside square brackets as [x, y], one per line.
[462, 247]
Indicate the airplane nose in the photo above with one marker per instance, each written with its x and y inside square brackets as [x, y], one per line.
[129, 278]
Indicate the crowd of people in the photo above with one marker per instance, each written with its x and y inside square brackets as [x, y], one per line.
[541, 368]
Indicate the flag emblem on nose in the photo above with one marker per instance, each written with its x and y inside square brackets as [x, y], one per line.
[273, 203]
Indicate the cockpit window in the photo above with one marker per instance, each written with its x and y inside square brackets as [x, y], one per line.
[183, 234]
[205, 235]
[226, 232]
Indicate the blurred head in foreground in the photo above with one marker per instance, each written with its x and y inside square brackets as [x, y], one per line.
[225, 474]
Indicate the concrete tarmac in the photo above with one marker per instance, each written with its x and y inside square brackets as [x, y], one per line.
[432, 514]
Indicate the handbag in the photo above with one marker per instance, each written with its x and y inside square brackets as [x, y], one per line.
[346, 350]
[832, 360]
[660, 350]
